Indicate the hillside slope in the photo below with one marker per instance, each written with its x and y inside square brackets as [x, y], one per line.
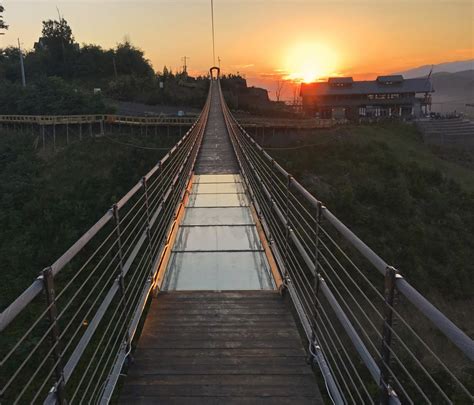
[413, 205]
[48, 201]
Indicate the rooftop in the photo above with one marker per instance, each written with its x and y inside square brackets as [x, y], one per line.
[382, 85]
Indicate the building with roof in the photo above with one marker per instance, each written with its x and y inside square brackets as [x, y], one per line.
[387, 96]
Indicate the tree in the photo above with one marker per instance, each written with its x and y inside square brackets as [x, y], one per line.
[280, 83]
[57, 47]
[56, 34]
[3, 26]
[9, 63]
[131, 60]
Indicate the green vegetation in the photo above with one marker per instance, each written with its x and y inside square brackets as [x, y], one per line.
[58, 66]
[3, 26]
[49, 96]
[47, 201]
[410, 204]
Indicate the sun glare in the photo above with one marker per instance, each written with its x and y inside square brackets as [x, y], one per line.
[308, 62]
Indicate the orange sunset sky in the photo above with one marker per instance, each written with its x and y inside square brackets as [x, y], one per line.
[265, 39]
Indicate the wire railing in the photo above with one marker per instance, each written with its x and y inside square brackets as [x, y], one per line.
[97, 119]
[375, 338]
[67, 336]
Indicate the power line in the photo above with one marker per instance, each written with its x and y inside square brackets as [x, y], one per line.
[213, 41]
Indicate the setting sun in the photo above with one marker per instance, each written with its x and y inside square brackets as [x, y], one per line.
[308, 62]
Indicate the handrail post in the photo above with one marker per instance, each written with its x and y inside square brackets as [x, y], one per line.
[389, 294]
[148, 221]
[120, 252]
[287, 220]
[316, 281]
[319, 208]
[48, 281]
[160, 184]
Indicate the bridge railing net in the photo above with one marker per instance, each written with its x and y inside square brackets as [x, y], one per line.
[367, 329]
[66, 337]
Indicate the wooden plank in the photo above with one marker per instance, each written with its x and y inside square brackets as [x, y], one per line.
[193, 400]
[145, 356]
[170, 368]
[221, 353]
[225, 386]
[211, 347]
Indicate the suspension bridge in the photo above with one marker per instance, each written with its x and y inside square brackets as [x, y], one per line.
[218, 278]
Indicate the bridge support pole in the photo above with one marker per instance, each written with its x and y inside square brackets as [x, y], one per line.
[43, 136]
[287, 220]
[389, 293]
[118, 232]
[319, 207]
[52, 315]
[148, 222]
[54, 137]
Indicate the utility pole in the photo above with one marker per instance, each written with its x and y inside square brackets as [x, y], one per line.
[23, 78]
[219, 61]
[115, 67]
[185, 65]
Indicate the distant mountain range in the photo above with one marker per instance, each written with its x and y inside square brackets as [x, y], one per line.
[448, 67]
[453, 84]
[453, 91]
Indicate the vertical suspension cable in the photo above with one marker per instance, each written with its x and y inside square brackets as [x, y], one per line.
[213, 41]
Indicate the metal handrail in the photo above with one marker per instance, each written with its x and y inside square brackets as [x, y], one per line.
[73, 348]
[341, 302]
[95, 118]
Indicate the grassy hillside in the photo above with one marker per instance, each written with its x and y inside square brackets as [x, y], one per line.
[413, 205]
[48, 200]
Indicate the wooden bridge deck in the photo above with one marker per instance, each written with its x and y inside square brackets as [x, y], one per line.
[235, 347]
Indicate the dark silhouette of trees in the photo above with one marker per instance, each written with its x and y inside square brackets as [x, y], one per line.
[131, 60]
[57, 49]
[122, 73]
[49, 96]
[3, 26]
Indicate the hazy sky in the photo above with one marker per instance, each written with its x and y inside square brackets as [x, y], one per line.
[261, 38]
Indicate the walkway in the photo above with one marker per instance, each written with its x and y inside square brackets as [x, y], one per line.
[219, 332]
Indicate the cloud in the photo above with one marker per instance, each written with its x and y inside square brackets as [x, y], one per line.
[243, 66]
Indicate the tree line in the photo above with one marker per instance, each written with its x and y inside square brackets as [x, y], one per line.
[3, 25]
[61, 76]
[70, 72]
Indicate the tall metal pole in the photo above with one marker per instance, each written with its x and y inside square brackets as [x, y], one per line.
[115, 67]
[213, 42]
[23, 78]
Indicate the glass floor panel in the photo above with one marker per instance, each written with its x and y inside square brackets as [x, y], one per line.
[218, 200]
[217, 178]
[217, 188]
[218, 216]
[218, 271]
[215, 238]
[217, 246]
